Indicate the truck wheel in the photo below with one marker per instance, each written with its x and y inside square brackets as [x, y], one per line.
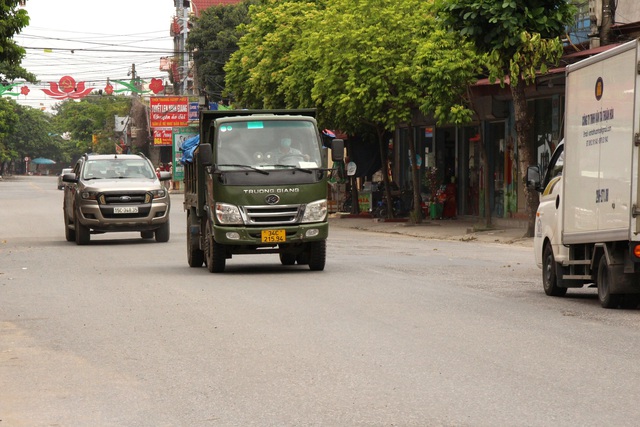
[214, 252]
[317, 255]
[83, 234]
[550, 280]
[69, 233]
[605, 278]
[146, 234]
[163, 233]
[287, 259]
[195, 255]
[303, 258]
[630, 301]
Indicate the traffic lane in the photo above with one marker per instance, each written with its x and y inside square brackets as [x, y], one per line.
[389, 333]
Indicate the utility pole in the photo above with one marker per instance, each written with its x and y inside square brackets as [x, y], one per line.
[608, 18]
[134, 78]
[183, 42]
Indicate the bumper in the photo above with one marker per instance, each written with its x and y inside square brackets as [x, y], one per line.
[252, 236]
[102, 218]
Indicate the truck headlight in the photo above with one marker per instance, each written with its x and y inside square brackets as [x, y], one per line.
[89, 195]
[228, 214]
[315, 211]
[158, 194]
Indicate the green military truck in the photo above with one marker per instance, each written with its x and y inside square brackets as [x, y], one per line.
[256, 183]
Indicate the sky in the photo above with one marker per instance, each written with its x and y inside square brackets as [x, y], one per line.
[92, 40]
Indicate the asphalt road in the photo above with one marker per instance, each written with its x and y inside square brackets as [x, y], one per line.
[397, 331]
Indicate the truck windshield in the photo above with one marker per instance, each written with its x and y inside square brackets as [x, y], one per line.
[266, 143]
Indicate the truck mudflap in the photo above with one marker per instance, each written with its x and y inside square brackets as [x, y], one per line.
[270, 236]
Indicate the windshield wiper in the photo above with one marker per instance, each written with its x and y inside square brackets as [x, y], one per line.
[233, 165]
[295, 167]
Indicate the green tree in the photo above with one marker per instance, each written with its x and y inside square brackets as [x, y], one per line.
[393, 60]
[8, 119]
[520, 38]
[12, 20]
[213, 38]
[266, 70]
[93, 115]
[361, 63]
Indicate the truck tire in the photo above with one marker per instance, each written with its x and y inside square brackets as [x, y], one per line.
[606, 276]
[163, 233]
[317, 255]
[83, 234]
[195, 255]
[214, 252]
[287, 258]
[146, 234]
[69, 233]
[551, 283]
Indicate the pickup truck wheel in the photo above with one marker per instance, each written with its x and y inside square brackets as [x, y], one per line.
[83, 234]
[605, 278]
[146, 234]
[195, 255]
[69, 233]
[317, 255]
[550, 280]
[214, 252]
[287, 259]
[163, 233]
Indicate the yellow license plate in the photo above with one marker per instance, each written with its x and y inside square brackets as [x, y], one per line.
[273, 236]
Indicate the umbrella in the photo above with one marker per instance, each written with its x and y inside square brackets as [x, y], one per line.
[42, 161]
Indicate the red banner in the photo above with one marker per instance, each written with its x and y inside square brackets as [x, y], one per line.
[169, 111]
[163, 136]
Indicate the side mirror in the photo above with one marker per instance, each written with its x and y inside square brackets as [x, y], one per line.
[337, 150]
[533, 178]
[204, 154]
[69, 177]
[165, 176]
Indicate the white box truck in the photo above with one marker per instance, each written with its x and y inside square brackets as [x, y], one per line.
[588, 220]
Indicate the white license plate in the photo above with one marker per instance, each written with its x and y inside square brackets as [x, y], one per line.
[125, 210]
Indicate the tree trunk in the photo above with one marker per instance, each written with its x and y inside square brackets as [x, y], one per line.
[486, 200]
[384, 158]
[485, 166]
[416, 215]
[524, 126]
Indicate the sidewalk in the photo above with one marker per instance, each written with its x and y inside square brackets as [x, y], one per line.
[461, 229]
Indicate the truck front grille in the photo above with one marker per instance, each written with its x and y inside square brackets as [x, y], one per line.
[124, 198]
[139, 199]
[271, 215]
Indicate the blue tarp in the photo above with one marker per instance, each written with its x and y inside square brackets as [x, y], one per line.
[188, 147]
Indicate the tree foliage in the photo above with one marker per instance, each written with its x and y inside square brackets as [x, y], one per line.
[94, 115]
[271, 68]
[213, 38]
[373, 62]
[12, 20]
[519, 38]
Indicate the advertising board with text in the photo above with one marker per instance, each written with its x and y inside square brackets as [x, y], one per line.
[169, 111]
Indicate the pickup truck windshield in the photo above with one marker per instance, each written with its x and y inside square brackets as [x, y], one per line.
[267, 144]
[117, 169]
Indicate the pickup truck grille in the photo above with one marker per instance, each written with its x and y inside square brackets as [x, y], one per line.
[271, 215]
[123, 198]
[107, 201]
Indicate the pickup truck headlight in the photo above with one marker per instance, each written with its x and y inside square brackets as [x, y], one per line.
[89, 195]
[228, 214]
[158, 194]
[315, 211]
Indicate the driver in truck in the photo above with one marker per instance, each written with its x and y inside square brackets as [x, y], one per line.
[285, 150]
